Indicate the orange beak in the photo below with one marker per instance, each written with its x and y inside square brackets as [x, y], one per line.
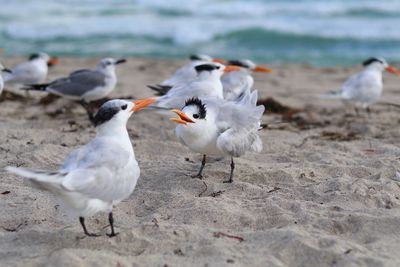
[139, 104]
[53, 61]
[262, 69]
[218, 60]
[229, 68]
[183, 119]
[392, 70]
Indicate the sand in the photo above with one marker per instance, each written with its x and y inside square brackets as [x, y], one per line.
[323, 192]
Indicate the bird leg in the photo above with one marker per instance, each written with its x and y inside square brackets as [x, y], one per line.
[88, 110]
[368, 112]
[231, 175]
[111, 220]
[82, 221]
[203, 163]
[356, 109]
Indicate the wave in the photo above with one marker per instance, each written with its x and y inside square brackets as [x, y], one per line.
[270, 30]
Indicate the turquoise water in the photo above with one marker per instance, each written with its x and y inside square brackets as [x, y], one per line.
[337, 32]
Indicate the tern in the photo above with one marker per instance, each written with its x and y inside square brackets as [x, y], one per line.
[3, 70]
[100, 174]
[206, 84]
[235, 83]
[184, 74]
[364, 88]
[213, 126]
[30, 72]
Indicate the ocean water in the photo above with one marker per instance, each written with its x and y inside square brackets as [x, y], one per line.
[328, 33]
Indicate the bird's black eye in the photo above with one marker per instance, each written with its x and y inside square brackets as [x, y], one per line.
[217, 67]
[124, 107]
[196, 116]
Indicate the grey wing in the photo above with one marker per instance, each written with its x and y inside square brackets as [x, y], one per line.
[354, 87]
[239, 124]
[91, 169]
[22, 73]
[78, 83]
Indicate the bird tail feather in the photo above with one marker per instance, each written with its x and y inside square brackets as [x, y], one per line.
[45, 180]
[35, 87]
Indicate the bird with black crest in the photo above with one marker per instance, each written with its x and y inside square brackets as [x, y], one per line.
[235, 83]
[216, 127]
[33, 71]
[100, 174]
[184, 74]
[206, 84]
[364, 88]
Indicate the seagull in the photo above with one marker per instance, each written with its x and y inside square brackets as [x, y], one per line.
[32, 71]
[364, 88]
[206, 84]
[3, 70]
[184, 74]
[235, 83]
[100, 174]
[213, 126]
[84, 85]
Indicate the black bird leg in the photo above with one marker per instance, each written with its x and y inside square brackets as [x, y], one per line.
[231, 175]
[203, 163]
[88, 110]
[82, 221]
[111, 220]
[368, 112]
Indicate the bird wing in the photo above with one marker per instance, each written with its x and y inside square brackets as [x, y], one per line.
[22, 73]
[91, 169]
[77, 84]
[177, 95]
[354, 87]
[238, 124]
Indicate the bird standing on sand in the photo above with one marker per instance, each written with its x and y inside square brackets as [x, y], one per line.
[207, 84]
[100, 174]
[184, 74]
[84, 85]
[364, 88]
[235, 83]
[217, 127]
[30, 72]
[3, 70]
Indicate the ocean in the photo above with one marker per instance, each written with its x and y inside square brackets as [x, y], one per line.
[324, 33]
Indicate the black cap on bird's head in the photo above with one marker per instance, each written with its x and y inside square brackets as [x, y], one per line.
[248, 64]
[200, 106]
[111, 108]
[373, 60]
[207, 67]
[34, 56]
[191, 115]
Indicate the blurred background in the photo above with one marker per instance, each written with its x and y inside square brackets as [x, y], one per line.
[323, 33]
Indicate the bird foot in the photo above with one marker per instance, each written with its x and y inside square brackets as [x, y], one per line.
[112, 235]
[89, 234]
[199, 176]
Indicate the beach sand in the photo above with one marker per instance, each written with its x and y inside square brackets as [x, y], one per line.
[323, 192]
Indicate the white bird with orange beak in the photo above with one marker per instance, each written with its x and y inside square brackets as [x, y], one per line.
[217, 127]
[207, 84]
[236, 83]
[100, 174]
[30, 72]
[364, 88]
[184, 74]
